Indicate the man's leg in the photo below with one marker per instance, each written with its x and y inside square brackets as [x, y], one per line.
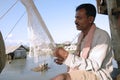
[64, 76]
[77, 75]
[82, 75]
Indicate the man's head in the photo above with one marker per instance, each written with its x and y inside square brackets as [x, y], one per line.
[85, 16]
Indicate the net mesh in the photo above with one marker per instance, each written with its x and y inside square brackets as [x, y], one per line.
[41, 42]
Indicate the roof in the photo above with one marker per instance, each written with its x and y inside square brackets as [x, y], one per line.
[10, 49]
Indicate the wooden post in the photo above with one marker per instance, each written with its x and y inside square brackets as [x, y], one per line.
[2, 53]
[115, 29]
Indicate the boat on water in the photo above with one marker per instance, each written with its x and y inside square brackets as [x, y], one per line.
[41, 67]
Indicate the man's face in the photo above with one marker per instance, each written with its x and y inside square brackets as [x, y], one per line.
[82, 21]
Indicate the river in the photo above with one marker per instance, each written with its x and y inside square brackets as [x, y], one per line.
[20, 69]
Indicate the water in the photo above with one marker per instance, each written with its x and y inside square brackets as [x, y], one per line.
[20, 69]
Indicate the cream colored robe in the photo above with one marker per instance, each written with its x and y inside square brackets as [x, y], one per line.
[100, 56]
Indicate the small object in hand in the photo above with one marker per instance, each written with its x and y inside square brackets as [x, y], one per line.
[60, 54]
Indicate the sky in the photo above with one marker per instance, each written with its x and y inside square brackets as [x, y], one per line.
[58, 15]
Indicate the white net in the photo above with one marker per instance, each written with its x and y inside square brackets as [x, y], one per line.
[41, 42]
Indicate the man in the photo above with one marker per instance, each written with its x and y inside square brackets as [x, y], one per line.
[93, 58]
[2, 53]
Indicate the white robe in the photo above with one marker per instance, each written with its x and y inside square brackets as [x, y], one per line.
[100, 56]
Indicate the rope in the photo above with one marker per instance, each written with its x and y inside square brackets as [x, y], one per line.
[8, 10]
[15, 25]
[74, 38]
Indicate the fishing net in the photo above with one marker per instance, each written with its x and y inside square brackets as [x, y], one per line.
[41, 42]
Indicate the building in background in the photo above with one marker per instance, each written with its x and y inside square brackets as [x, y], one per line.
[16, 52]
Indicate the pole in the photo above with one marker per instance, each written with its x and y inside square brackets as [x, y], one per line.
[115, 29]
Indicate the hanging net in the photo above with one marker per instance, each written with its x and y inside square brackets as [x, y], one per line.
[41, 42]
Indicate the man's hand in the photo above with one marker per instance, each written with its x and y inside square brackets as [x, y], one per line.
[61, 55]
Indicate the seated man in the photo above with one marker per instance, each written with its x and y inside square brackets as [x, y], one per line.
[93, 57]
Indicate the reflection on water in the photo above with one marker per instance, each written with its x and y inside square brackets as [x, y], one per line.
[20, 69]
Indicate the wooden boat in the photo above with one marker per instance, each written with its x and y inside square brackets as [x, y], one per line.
[41, 68]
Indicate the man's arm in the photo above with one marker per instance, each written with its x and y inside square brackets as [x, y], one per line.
[96, 56]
